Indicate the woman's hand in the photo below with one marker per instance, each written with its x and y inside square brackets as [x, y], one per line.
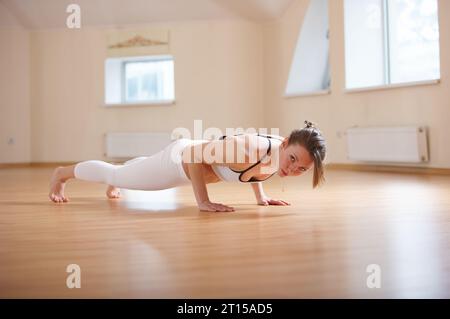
[265, 201]
[208, 206]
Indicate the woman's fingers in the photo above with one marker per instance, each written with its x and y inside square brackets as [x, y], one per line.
[207, 207]
[229, 208]
[216, 207]
[220, 208]
[225, 208]
[278, 202]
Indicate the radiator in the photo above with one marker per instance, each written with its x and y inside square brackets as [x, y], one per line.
[405, 144]
[127, 145]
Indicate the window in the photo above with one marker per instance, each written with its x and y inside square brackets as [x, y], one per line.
[391, 42]
[139, 80]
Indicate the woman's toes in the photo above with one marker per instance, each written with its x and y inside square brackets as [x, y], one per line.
[58, 199]
[113, 192]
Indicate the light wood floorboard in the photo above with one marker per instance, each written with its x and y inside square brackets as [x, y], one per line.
[158, 245]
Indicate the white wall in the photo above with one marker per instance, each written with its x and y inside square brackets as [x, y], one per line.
[218, 78]
[230, 73]
[14, 89]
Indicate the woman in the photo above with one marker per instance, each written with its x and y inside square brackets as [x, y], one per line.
[183, 162]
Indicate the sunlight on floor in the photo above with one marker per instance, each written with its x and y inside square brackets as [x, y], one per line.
[164, 200]
[413, 230]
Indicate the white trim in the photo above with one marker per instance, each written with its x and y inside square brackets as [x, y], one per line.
[392, 86]
[144, 103]
[145, 58]
[314, 93]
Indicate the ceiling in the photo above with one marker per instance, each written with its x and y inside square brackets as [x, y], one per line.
[41, 14]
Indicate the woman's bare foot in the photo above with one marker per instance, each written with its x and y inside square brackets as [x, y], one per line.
[57, 184]
[112, 192]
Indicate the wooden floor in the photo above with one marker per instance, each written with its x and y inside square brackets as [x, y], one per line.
[157, 244]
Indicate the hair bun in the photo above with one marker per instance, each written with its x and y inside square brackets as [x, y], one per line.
[309, 124]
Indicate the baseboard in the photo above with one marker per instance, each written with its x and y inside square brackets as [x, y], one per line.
[43, 164]
[38, 164]
[389, 169]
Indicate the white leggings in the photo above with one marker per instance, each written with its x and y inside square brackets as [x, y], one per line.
[160, 171]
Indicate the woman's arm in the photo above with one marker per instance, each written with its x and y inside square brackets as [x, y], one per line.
[263, 199]
[195, 163]
[258, 190]
[200, 191]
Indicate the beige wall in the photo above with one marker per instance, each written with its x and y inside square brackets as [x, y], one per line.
[428, 105]
[218, 78]
[229, 73]
[14, 90]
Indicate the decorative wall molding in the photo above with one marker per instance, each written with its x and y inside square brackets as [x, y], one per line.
[137, 41]
[125, 43]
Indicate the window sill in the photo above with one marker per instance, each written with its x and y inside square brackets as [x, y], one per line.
[148, 103]
[314, 93]
[392, 86]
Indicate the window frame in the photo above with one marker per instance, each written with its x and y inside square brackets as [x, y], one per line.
[123, 86]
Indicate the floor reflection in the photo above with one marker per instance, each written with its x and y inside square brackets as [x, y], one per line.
[146, 265]
[149, 201]
[413, 229]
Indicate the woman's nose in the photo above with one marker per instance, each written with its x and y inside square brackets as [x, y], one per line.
[292, 170]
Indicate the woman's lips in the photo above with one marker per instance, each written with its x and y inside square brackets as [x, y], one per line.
[283, 172]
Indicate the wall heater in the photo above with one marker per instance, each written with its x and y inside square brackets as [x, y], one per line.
[127, 145]
[404, 144]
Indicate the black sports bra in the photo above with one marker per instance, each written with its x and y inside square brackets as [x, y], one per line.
[258, 162]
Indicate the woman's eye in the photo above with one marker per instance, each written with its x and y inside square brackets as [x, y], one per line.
[292, 158]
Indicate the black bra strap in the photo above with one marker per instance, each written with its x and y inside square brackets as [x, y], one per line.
[249, 168]
[257, 163]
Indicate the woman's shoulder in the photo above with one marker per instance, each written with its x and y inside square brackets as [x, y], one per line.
[260, 135]
[257, 143]
[274, 136]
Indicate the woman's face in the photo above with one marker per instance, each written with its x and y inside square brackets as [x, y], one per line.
[294, 160]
